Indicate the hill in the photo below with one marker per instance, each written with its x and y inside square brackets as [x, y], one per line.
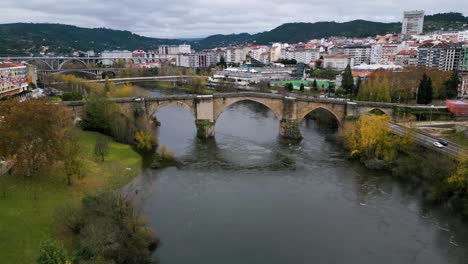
[300, 32]
[27, 38]
[445, 21]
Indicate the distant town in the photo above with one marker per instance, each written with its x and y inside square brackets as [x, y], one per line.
[252, 64]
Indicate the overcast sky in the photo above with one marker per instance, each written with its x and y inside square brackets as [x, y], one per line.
[200, 18]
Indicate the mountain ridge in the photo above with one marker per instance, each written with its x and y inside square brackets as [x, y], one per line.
[32, 38]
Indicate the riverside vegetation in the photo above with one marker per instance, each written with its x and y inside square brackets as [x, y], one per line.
[442, 179]
[55, 166]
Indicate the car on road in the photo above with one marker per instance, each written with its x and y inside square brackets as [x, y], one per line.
[443, 142]
[437, 145]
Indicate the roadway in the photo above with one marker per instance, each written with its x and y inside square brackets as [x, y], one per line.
[151, 78]
[427, 140]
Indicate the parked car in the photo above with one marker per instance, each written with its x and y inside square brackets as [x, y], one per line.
[437, 145]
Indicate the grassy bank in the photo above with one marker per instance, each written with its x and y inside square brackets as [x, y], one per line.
[27, 205]
[458, 138]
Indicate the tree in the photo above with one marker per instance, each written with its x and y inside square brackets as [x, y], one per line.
[72, 96]
[108, 227]
[107, 85]
[383, 93]
[424, 95]
[290, 87]
[32, 134]
[358, 86]
[51, 252]
[101, 148]
[125, 90]
[264, 86]
[314, 84]
[370, 137]
[301, 88]
[197, 85]
[318, 64]
[459, 178]
[145, 140]
[98, 114]
[451, 85]
[347, 80]
[222, 62]
[71, 156]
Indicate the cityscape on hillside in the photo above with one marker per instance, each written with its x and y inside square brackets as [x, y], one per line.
[326, 141]
[443, 50]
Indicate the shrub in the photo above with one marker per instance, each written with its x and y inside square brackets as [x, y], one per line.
[51, 252]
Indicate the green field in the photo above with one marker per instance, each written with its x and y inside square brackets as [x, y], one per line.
[27, 205]
[297, 83]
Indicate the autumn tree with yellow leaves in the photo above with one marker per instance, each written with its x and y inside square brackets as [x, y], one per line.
[370, 137]
[459, 179]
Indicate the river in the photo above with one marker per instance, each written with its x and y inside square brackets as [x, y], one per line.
[249, 197]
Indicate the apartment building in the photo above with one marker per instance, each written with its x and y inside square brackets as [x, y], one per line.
[174, 49]
[13, 78]
[444, 56]
[389, 51]
[302, 55]
[360, 53]
[413, 22]
[406, 58]
[196, 60]
[338, 62]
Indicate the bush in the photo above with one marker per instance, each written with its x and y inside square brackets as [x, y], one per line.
[110, 229]
[51, 252]
[72, 96]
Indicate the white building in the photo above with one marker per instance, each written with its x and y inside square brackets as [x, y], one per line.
[196, 60]
[256, 52]
[376, 53]
[337, 62]
[235, 55]
[302, 55]
[174, 49]
[463, 36]
[413, 22]
[360, 53]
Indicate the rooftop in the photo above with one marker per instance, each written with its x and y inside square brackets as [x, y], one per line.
[8, 64]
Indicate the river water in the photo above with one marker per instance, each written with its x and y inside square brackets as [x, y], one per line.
[249, 197]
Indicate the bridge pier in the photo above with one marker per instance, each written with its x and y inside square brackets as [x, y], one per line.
[289, 129]
[289, 124]
[205, 128]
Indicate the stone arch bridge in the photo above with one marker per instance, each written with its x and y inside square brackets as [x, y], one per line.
[208, 108]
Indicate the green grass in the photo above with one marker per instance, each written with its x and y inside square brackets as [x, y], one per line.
[297, 83]
[27, 205]
[458, 138]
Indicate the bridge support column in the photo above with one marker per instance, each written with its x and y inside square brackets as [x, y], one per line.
[289, 128]
[205, 117]
[289, 124]
[205, 128]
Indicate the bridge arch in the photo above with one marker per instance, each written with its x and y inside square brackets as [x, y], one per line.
[70, 60]
[221, 104]
[377, 111]
[303, 114]
[153, 107]
[74, 71]
[32, 61]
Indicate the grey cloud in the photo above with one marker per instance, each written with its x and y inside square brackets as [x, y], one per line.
[198, 18]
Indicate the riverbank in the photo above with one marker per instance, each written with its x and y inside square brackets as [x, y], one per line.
[28, 204]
